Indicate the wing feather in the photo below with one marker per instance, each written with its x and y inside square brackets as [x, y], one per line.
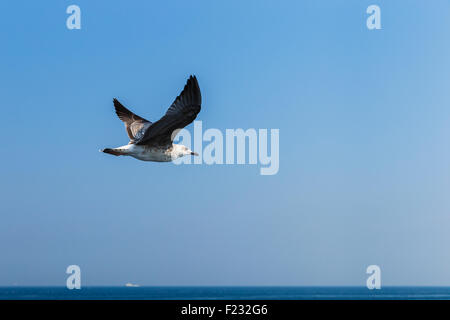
[134, 124]
[182, 112]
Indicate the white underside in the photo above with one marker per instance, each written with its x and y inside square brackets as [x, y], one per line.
[146, 153]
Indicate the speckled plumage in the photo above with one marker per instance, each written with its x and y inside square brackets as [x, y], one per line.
[154, 141]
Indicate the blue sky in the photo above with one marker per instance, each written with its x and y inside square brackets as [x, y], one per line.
[364, 123]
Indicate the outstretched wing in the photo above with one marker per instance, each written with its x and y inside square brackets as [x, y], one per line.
[181, 113]
[135, 125]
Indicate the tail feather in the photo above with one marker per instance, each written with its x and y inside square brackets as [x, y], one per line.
[114, 152]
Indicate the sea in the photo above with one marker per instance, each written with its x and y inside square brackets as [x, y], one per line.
[224, 293]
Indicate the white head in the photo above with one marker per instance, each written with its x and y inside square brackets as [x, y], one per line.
[180, 151]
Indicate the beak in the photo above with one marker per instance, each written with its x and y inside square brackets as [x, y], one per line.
[194, 153]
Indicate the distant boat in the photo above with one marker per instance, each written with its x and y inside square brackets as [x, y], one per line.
[132, 285]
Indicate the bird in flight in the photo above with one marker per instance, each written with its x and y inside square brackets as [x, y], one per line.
[153, 141]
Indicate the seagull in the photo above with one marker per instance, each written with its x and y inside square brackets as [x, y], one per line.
[153, 141]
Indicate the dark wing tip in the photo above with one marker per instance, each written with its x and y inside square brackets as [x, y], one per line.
[117, 104]
[126, 115]
[193, 90]
[192, 79]
[121, 111]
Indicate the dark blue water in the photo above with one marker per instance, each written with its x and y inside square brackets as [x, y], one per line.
[232, 293]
